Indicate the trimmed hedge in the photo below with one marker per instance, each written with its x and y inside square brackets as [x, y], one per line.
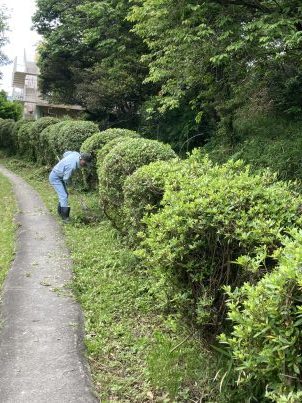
[267, 334]
[23, 140]
[6, 130]
[219, 227]
[32, 147]
[38, 126]
[96, 142]
[63, 136]
[49, 151]
[123, 159]
[14, 134]
[143, 192]
[73, 133]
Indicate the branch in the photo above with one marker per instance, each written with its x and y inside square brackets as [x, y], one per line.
[253, 4]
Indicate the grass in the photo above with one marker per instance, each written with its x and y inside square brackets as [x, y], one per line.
[137, 352]
[7, 228]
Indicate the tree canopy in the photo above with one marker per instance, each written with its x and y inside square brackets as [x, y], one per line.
[90, 56]
[8, 109]
[181, 68]
[220, 54]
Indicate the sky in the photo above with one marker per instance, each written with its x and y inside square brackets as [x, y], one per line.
[20, 36]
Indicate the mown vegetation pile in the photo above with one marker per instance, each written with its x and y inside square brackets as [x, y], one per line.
[8, 226]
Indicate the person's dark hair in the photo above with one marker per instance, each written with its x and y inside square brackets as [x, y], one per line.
[87, 157]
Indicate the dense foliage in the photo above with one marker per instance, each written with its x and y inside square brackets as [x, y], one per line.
[6, 128]
[49, 152]
[65, 135]
[24, 146]
[266, 339]
[36, 131]
[90, 56]
[98, 140]
[8, 109]
[73, 133]
[214, 242]
[264, 142]
[177, 70]
[239, 48]
[143, 192]
[121, 162]
[95, 143]
[219, 227]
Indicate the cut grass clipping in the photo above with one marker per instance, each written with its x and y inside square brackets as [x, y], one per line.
[7, 228]
[137, 352]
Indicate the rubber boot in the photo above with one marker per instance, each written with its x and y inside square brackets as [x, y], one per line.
[65, 213]
[59, 209]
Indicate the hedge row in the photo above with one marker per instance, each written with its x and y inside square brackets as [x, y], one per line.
[207, 233]
[203, 229]
[120, 162]
[102, 141]
[6, 128]
[45, 139]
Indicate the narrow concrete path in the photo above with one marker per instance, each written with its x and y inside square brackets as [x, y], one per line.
[41, 350]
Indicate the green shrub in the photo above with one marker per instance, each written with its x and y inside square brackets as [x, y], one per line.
[31, 147]
[267, 335]
[143, 192]
[14, 133]
[37, 128]
[50, 152]
[24, 137]
[215, 228]
[122, 161]
[63, 136]
[6, 137]
[73, 133]
[105, 150]
[96, 142]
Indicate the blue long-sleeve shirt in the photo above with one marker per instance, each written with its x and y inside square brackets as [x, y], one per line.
[68, 164]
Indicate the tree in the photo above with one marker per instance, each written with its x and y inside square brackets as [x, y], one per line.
[3, 38]
[178, 69]
[8, 109]
[90, 56]
[218, 54]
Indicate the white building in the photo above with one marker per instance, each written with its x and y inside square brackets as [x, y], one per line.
[25, 89]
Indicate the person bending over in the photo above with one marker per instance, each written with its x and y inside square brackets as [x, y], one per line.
[60, 175]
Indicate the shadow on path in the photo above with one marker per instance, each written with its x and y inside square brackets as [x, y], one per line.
[41, 349]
